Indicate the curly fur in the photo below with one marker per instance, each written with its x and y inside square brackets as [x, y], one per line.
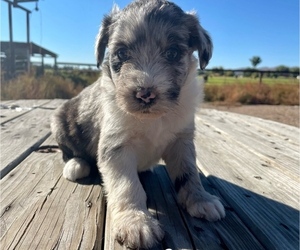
[141, 110]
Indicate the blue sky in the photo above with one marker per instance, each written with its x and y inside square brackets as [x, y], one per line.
[240, 29]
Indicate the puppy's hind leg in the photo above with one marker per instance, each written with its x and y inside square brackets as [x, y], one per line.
[76, 168]
[181, 165]
[68, 135]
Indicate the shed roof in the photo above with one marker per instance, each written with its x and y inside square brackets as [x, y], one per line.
[34, 48]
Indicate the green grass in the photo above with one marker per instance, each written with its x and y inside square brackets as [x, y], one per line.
[220, 80]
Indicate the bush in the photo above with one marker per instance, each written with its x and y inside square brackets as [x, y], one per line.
[80, 77]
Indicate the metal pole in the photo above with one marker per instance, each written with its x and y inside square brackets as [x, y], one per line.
[12, 59]
[28, 26]
[11, 44]
[28, 40]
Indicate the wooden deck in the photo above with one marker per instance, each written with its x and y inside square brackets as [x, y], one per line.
[251, 163]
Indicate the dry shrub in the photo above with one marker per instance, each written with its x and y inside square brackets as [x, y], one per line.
[49, 86]
[251, 93]
[28, 86]
[287, 94]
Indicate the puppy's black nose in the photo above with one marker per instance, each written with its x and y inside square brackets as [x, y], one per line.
[145, 94]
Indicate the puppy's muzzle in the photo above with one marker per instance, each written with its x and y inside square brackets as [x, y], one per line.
[145, 95]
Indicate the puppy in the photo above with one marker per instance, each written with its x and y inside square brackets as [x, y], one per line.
[141, 110]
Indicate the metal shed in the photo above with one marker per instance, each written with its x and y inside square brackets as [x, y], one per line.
[15, 56]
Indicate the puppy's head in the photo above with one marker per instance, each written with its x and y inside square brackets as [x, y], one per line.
[150, 54]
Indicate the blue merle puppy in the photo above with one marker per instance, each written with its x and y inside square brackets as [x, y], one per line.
[141, 110]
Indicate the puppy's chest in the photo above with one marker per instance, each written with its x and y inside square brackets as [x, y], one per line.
[150, 144]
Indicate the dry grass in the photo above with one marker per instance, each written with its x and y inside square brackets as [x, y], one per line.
[28, 86]
[250, 93]
[49, 86]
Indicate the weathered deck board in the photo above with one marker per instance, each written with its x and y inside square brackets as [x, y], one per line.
[261, 189]
[13, 109]
[283, 130]
[41, 210]
[285, 149]
[204, 234]
[22, 134]
[249, 159]
[251, 163]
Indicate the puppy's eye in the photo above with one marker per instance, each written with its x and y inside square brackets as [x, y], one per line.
[123, 54]
[172, 54]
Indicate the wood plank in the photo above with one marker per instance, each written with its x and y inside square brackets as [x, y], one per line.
[264, 178]
[229, 233]
[278, 128]
[53, 104]
[289, 135]
[7, 102]
[265, 124]
[162, 206]
[42, 210]
[28, 103]
[282, 149]
[15, 108]
[237, 163]
[22, 135]
[109, 241]
[7, 115]
[161, 202]
[181, 230]
[259, 187]
[261, 195]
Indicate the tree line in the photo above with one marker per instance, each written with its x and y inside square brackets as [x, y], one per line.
[280, 70]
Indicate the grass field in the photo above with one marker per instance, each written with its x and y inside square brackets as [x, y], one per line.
[221, 80]
[228, 90]
[247, 90]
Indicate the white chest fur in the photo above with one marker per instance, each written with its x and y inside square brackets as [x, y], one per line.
[151, 137]
[148, 138]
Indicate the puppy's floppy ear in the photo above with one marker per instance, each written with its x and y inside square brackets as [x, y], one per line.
[103, 35]
[199, 40]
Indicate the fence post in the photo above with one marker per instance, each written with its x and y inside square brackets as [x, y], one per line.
[260, 77]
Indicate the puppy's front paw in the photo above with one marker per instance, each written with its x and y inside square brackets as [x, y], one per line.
[137, 229]
[207, 206]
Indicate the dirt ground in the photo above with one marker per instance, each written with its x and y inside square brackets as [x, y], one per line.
[284, 114]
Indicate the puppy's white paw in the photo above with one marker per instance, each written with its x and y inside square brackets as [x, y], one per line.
[76, 168]
[137, 229]
[206, 206]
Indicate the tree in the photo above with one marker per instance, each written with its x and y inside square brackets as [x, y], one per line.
[218, 70]
[282, 68]
[255, 60]
[295, 71]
